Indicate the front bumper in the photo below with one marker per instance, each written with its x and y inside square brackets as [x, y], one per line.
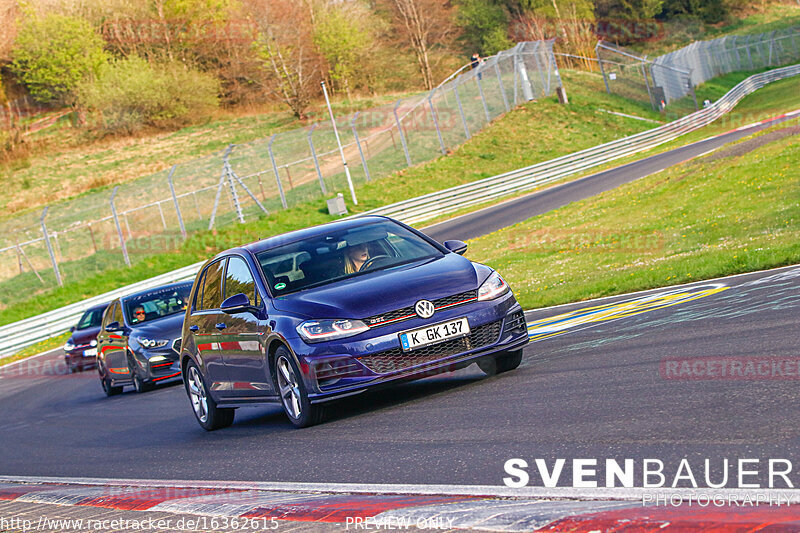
[81, 356]
[334, 370]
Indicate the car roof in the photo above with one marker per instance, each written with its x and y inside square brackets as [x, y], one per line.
[307, 233]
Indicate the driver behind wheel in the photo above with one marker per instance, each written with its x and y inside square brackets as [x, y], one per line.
[355, 256]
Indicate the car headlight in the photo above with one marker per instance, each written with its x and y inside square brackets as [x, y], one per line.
[493, 287]
[151, 343]
[68, 346]
[326, 330]
[93, 343]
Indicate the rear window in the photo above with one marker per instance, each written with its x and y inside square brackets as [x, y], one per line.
[341, 254]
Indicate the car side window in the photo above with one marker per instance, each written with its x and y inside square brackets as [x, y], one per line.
[118, 314]
[212, 285]
[239, 279]
[109, 314]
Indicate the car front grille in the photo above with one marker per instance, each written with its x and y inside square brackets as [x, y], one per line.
[405, 313]
[396, 359]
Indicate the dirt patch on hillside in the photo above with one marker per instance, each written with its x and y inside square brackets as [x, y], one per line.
[751, 144]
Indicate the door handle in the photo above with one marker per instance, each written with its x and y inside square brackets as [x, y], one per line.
[195, 327]
[221, 326]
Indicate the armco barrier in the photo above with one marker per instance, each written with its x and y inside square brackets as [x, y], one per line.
[26, 332]
[449, 200]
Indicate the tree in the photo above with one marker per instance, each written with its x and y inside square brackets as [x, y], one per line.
[484, 25]
[290, 63]
[54, 53]
[636, 10]
[8, 21]
[342, 35]
[423, 23]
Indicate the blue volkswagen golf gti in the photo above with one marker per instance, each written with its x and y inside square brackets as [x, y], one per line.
[327, 312]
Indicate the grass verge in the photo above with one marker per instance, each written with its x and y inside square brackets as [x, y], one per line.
[35, 349]
[733, 211]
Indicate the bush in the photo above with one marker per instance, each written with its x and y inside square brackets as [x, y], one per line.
[54, 54]
[130, 93]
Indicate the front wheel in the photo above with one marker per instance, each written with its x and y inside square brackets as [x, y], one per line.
[294, 398]
[138, 384]
[105, 382]
[208, 415]
[503, 362]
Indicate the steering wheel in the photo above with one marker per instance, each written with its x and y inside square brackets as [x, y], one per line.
[368, 263]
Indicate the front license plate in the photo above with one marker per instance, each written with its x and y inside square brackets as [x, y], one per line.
[91, 352]
[417, 338]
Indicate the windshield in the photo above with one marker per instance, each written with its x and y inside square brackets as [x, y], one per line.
[157, 303]
[91, 318]
[341, 254]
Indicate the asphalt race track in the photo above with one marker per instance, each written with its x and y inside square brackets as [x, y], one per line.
[626, 377]
[508, 213]
[592, 385]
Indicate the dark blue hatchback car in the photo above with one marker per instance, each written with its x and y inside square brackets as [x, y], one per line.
[331, 311]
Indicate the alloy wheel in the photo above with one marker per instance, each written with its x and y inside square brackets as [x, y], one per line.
[197, 394]
[289, 388]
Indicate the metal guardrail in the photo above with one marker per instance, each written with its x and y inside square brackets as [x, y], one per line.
[29, 331]
[17, 335]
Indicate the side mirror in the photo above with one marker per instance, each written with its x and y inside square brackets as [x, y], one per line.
[457, 247]
[113, 326]
[238, 303]
[72, 329]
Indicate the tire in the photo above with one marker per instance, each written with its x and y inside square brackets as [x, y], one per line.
[294, 398]
[106, 384]
[139, 385]
[503, 362]
[208, 415]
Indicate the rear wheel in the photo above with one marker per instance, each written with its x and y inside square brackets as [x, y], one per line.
[294, 397]
[503, 362]
[208, 415]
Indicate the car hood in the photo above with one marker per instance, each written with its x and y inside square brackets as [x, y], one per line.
[168, 328]
[385, 290]
[84, 336]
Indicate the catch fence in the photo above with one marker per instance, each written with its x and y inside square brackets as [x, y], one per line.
[120, 226]
[671, 78]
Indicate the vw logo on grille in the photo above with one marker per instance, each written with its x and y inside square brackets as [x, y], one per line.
[424, 309]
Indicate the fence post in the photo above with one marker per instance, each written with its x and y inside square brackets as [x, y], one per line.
[483, 98]
[500, 81]
[237, 206]
[461, 112]
[400, 131]
[119, 228]
[771, 45]
[275, 169]
[219, 188]
[647, 83]
[175, 201]
[749, 56]
[436, 121]
[358, 143]
[50, 247]
[161, 212]
[314, 156]
[602, 70]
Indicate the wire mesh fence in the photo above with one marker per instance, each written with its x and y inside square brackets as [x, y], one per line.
[76, 239]
[670, 79]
